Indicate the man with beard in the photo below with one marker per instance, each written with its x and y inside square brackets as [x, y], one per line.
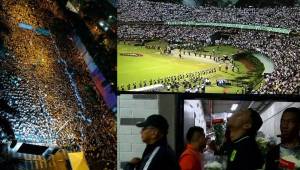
[242, 150]
[286, 155]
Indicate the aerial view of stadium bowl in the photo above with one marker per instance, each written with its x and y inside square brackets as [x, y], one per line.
[236, 49]
[57, 103]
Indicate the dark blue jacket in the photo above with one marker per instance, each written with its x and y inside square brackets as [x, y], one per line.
[244, 154]
[157, 156]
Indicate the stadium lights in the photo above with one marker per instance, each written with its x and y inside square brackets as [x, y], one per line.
[234, 107]
[104, 25]
[101, 23]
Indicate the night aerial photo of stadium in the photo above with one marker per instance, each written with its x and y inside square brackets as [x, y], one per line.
[232, 47]
[57, 84]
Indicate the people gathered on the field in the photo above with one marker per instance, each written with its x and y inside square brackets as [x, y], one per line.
[282, 49]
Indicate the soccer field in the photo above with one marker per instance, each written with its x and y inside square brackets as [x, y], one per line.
[153, 65]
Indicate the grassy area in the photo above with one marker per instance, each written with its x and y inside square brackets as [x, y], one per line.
[219, 50]
[153, 65]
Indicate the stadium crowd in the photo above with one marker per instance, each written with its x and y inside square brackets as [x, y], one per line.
[283, 49]
[35, 83]
[172, 34]
[284, 52]
[147, 11]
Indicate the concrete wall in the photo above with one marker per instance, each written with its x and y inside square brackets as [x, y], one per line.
[271, 118]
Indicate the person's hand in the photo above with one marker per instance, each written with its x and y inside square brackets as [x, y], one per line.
[135, 161]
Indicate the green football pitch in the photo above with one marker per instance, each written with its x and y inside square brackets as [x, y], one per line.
[154, 65]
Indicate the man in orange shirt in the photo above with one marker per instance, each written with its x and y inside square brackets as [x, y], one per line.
[191, 158]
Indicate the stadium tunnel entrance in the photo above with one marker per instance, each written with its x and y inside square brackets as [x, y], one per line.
[267, 62]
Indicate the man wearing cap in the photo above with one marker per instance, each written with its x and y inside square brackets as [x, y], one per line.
[243, 152]
[158, 155]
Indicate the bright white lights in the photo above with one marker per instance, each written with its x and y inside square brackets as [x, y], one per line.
[101, 23]
[229, 114]
[234, 107]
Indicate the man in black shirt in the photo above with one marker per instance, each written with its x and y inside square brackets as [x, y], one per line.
[158, 155]
[242, 151]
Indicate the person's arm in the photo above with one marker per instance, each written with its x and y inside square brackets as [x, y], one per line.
[272, 157]
[132, 164]
[186, 162]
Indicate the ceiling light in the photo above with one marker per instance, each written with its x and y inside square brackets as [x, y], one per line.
[234, 107]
